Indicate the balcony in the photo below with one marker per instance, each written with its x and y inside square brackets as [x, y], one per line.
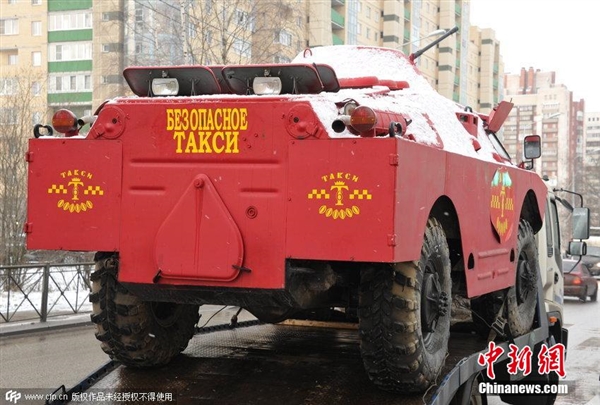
[337, 40]
[457, 9]
[337, 3]
[337, 20]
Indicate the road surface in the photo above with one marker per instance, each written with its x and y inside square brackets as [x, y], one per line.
[46, 361]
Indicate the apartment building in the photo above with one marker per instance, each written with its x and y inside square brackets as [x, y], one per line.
[591, 143]
[545, 108]
[466, 67]
[84, 46]
[23, 67]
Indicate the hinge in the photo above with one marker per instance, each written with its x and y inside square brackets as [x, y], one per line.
[29, 157]
[393, 159]
[391, 240]
[28, 227]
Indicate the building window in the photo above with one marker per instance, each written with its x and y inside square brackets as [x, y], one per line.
[70, 83]
[70, 21]
[36, 2]
[13, 59]
[283, 37]
[8, 86]
[36, 58]
[36, 88]
[242, 47]
[368, 33]
[241, 17]
[70, 51]
[8, 116]
[9, 26]
[139, 14]
[36, 28]
[36, 118]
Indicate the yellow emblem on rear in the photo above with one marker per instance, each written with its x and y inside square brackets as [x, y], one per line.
[77, 189]
[339, 190]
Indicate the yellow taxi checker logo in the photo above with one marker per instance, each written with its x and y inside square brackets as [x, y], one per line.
[93, 190]
[318, 194]
[360, 194]
[77, 187]
[58, 189]
[340, 188]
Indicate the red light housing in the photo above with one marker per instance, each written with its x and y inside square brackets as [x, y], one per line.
[576, 281]
[65, 122]
[363, 119]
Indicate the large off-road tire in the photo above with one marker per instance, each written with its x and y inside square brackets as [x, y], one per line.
[135, 332]
[404, 317]
[521, 299]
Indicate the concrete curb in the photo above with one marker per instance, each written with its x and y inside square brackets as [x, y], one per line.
[20, 328]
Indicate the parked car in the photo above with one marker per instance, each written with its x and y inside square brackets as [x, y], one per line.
[579, 282]
[592, 260]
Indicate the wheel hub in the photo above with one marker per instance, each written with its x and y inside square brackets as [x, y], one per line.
[525, 281]
[165, 313]
[434, 303]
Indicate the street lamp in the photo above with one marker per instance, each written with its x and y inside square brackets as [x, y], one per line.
[435, 33]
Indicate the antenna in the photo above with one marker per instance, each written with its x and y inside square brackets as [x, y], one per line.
[420, 52]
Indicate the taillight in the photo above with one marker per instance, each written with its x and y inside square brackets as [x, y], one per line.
[576, 281]
[65, 122]
[363, 119]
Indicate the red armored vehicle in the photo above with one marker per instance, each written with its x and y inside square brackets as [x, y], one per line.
[340, 180]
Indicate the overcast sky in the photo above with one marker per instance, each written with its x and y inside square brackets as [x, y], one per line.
[550, 35]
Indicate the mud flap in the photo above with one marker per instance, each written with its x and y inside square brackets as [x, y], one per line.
[199, 239]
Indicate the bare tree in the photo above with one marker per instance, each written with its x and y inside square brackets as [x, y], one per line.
[22, 106]
[216, 32]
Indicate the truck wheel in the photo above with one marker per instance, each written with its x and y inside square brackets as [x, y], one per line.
[135, 332]
[404, 317]
[521, 299]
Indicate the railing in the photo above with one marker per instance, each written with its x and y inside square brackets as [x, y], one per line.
[41, 290]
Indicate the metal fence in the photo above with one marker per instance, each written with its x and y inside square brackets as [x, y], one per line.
[41, 290]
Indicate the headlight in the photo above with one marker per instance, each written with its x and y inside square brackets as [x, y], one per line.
[165, 87]
[266, 85]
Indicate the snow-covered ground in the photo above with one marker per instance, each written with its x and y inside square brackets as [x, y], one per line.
[68, 292]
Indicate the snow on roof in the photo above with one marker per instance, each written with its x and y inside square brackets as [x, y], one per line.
[419, 101]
